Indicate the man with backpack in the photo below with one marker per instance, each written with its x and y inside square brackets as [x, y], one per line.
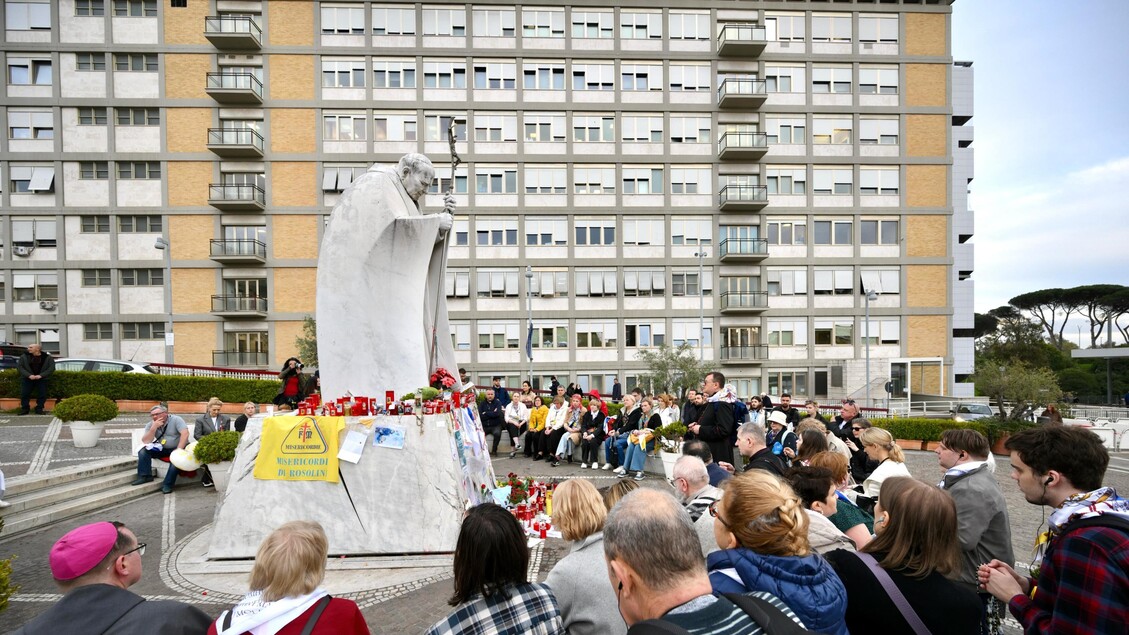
[715, 424]
[672, 594]
[1080, 575]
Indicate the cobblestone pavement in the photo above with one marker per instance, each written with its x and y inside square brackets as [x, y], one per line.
[28, 444]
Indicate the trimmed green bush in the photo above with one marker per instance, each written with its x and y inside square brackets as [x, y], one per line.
[217, 446]
[925, 429]
[93, 408]
[142, 386]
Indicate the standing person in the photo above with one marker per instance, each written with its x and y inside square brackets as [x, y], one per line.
[538, 414]
[1054, 417]
[750, 445]
[669, 410]
[553, 385]
[295, 385]
[94, 565]
[517, 418]
[879, 446]
[500, 392]
[285, 594]
[841, 426]
[592, 435]
[464, 378]
[756, 411]
[716, 424]
[641, 440]
[493, 593]
[493, 417]
[1079, 574]
[983, 526]
[617, 390]
[690, 409]
[163, 434]
[579, 580]
[811, 408]
[692, 488]
[207, 423]
[792, 414]
[250, 409]
[34, 367]
[702, 451]
[915, 547]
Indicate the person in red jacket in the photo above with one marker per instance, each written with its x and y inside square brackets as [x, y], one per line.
[286, 591]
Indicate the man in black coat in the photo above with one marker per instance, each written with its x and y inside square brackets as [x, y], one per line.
[715, 424]
[34, 367]
[690, 410]
[617, 390]
[500, 392]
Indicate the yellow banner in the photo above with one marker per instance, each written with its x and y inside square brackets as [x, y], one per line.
[299, 449]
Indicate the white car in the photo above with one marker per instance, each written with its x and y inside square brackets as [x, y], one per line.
[104, 365]
[973, 411]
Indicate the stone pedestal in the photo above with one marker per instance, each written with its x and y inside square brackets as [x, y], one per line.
[394, 501]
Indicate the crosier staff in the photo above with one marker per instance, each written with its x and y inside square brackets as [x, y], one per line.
[455, 161]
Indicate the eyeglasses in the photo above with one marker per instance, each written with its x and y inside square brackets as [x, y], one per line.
[713, 512]
[855, 428]
[140, 549]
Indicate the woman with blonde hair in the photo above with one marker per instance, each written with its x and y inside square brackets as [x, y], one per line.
[762, 529]
[669, 410]
[916, 546]
[618, 490]
[579, 580]
[848, 518]
[879, 446]
[286, 597]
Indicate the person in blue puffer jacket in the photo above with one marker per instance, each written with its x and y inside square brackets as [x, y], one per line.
[762, 530]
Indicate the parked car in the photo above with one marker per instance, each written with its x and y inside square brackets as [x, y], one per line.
[972, 412]
[10, 353]
[104, 365]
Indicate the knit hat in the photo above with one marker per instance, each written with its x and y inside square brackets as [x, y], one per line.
[81, 549]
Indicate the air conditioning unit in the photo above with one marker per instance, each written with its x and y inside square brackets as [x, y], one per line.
[48, 305]
[868, 46]
[22, 250]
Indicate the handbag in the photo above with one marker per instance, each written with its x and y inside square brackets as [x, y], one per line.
[575, 437]
[894, 593]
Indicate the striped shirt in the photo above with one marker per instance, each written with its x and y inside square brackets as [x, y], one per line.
[708, 614]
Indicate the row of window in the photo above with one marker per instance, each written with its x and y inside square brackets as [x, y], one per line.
[34, 16]
[38, 287]
[93, 331]
[43, 232]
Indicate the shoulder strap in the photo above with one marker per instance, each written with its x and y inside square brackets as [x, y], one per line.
[656, 627]
[1113, 521]
[318, 609]
[894, 592]
[225, 620]
[770, 618]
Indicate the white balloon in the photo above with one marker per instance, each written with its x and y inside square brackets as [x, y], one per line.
[184, 461]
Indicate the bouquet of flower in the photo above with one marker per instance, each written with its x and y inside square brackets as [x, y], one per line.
[519, 487]
[442, 379]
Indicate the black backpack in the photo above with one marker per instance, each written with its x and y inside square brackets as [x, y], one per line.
[771, 619]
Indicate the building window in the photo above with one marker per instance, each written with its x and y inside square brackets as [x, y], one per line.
[834, 332]
[878, 28]
[139, 224]
[143, 331]
[442, 182]
[457, 283]
[135, 8]
[461, 229]
[31, 287]
[831, 80]
[831, 130]
[784, 79]
[548, 284]
[88, 116]
[138, 116]
[95, 224]
[90, 61]
[642, 128]
[449, 22]
[838, 232]
[395, 128]
[489, 180]
[879, 232]
[881, 181]
[830, 27]
[830, 281]
[25, 72]
[337, 178]
[97, 331]
[784, 27]
[640, 26]
[642, 180]
[343, 20]
[444, 75]
[394, 74]
[92, 8]
[882, 331]
[689, 26]
[592, 25]
[27, 16]
[690, 77]
[691, 231]
[94, 170]
[135, 62]
[787, 232]
[880, 80]
[546, 232]
[393, 21]
[787, 332]
[30, 125]
[460, 335]
[875, 130]
[643, 231]
[644, 335]
[833, 181]
[792, 382]
[644, 282]
[593, 76]
[497, 283]
[542, 128]
[551, 335]
[601, 128]
[596, 333]
[786, 180]
[690, 180]
[785, 131]
[31, 179]
[139, 170]
[880, 280]
[690, 129]
[33, 232]
[494, 23]
[542, 23]
[498, 335]
[593, 180]
[495, 75]
[338, 73]
[690, 332]
[542, 76]
[787, 281]
[640, 77]
[345, 126]
[690, 283]
[495, 232]
[595, 283]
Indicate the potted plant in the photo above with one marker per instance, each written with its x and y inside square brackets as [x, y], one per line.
[670, 441]
[87, 415]
[998, 431]
[217, 451]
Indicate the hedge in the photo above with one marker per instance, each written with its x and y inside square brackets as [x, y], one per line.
[910, 428]
[147, 387]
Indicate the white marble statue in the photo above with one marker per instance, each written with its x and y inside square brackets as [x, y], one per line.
[380, 285]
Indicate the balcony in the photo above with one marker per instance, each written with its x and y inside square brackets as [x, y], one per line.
[235, 32]
[238, 252]
[753, 302]
[741, 92]
[743, 354]
[238, 358]
[235, 142]
[239, 306]
[743, 249]
[734, 198]
[741, 40]
[237, 198]
[234, 88]
[742, 145]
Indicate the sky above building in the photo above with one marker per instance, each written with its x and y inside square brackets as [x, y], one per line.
[1051, 143]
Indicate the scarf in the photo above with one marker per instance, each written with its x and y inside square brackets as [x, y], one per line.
[727, 394]
[1084, 505]
[254, 615]
[957, 470]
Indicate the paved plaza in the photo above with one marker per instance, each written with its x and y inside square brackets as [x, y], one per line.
[174, 525]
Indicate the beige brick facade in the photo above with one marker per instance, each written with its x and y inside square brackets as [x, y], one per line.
[189, 235]
[927, 236]
[927, 285]
[186, 74]
[927, 85]
[295, 236]
[291, 23]
[925, 378]
[194, 343]
[927, 336]
[188, 183]
[295, 289]
[292, 76]
[926, 34]
[285, 340]
[293, 130]
[293, 184]
[927, 136]
[192, 290]
[927, 185]
[187, 129]
[185, 25]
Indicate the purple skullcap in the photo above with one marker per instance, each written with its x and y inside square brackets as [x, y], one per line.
[81, 549]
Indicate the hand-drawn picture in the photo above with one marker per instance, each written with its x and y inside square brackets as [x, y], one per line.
[388, 437]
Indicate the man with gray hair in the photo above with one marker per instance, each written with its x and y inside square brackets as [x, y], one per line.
[164, 434]
[751, 445]
[692, 488]
[659, 574]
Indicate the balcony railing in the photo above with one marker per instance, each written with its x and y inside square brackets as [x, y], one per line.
[743, 196]
[742, 145]
[235, 32]
[741, 39]
[237, 250]
[236, 198]
[744, 248]
[741, 92]
[235, 142]
[234, 88]
[753, 353]
[238, 304]
[239, 358]
[751, 301]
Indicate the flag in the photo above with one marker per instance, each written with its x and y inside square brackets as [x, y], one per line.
[529, 342]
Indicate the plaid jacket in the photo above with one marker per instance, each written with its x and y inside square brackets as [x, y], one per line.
[518, 610]
[1083, 585]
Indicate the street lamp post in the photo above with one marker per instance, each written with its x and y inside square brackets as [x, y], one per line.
[870, 297]
[529, 307]
[163, 244]
[701, 305]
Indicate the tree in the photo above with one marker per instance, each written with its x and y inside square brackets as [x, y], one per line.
[984, 324]
[307, 342]
[1116, 305]
[672, 370]
[1090, 300]
[1016, 383]
[1014, 338]
[1048, 305]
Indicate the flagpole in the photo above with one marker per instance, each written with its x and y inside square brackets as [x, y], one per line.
[529, 307]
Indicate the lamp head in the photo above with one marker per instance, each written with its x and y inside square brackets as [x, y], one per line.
[161, 243]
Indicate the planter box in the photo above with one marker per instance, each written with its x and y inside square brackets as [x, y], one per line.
[10, 403]
[910, 444]
[932, 446]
